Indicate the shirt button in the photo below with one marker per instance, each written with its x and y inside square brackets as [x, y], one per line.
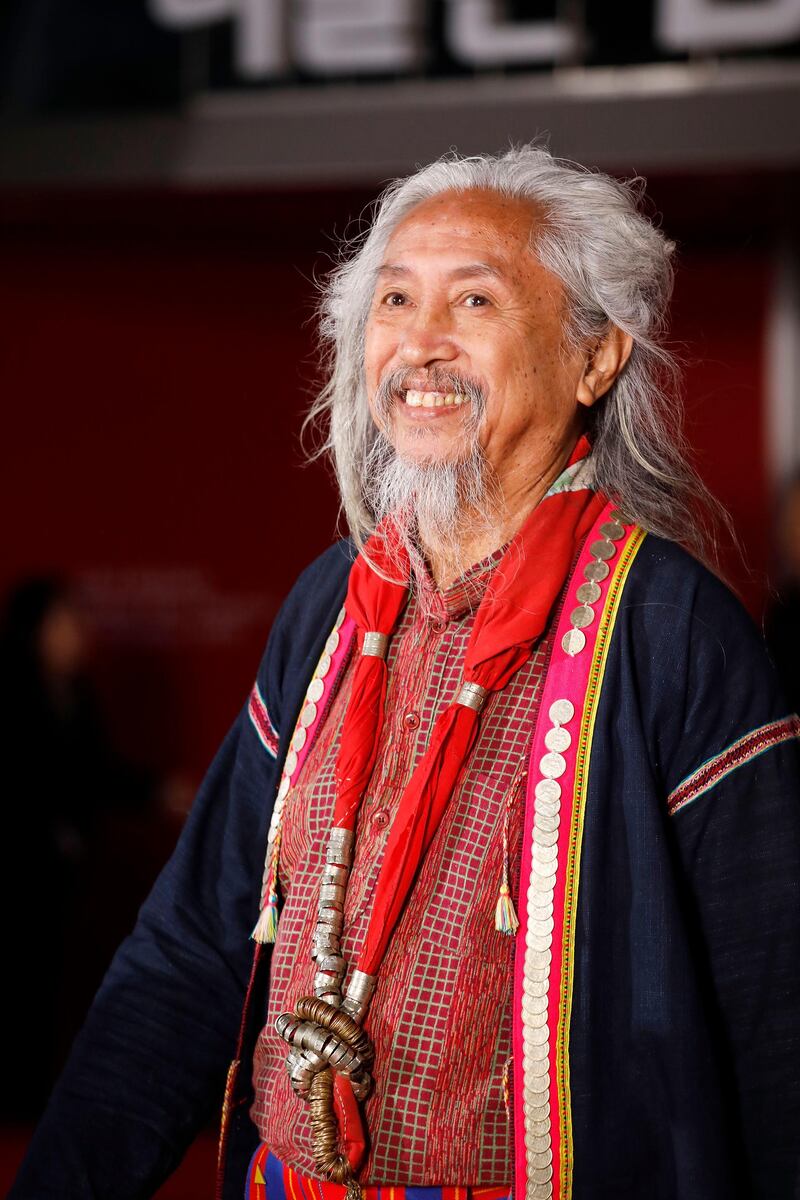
[411, 719]
[380, 818]
[438, 625]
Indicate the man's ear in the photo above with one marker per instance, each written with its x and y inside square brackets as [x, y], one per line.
[604, 365]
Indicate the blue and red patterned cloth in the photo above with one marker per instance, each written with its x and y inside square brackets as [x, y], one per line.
[270, 1179]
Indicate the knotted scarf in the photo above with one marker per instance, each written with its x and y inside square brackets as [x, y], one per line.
[513, 614]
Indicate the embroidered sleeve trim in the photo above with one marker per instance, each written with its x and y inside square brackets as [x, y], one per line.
[262, 723]
[736, 755]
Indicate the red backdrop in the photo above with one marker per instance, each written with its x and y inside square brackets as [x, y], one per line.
[157, 358]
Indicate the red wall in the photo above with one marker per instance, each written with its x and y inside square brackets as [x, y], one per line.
[156, 362]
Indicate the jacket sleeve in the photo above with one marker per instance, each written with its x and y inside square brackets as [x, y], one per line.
[149, 1066]
[733, 782]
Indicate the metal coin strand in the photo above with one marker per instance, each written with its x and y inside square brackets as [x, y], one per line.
[541, 1174]
[541, 906]
[545, 837]
[596, 571]
[537, 965]
[573, 642]
[612, 530]
[588, 593]
[535, 1019]
[540, 1129]
[536, 1107]
[548, 804]
[539, 1034]
[286, 783]
[546, 810]
[548, 881]
[537, 1082]
[537, 1147]
[299, 739]
[332, 644]
[535, 1139]
[548, 789]
[538, 942]
[603, 549]
[552, 765]
[558, 739]
[619, 516]
[544, 926]
[324, 665]
[537, 973]
[544, 854]
[290, 766]
[544, 1156]
[535, 989]
[534, 1004]
[340, 618]
[537, 1087]
[544, 869]
[540, 882]
[309, 714]
[546, 822]
[582, 616]
[535, 1013]
[561, 712]
[315, 691]
[539, 1072]
[538, 1110]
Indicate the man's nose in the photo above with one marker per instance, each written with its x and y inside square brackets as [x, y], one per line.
[429, 337]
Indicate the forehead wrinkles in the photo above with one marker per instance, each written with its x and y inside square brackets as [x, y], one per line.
[480, 229]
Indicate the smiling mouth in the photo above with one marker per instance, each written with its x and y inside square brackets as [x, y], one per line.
[415, 399]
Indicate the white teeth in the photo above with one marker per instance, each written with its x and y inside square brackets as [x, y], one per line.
[415, 399]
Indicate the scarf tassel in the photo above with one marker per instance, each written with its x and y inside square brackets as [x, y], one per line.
[266, 929]
[505, 915]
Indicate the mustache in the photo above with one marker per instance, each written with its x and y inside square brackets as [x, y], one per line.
[437, 379]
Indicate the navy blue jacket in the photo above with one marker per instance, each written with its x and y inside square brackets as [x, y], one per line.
[685, 1037]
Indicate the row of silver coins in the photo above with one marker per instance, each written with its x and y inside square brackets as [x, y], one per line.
[308, 714]
[538, 954]
[588, 593]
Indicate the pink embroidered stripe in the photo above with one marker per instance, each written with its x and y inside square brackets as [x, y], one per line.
[262, 724]
[736, 755]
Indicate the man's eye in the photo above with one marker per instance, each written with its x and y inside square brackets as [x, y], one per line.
[475, 300]
[394, 300]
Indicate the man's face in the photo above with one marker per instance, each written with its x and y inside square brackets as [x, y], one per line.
[460, 294]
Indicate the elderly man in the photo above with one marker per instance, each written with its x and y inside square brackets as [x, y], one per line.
[526, 785]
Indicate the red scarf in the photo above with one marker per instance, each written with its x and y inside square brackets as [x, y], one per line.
[513, 614]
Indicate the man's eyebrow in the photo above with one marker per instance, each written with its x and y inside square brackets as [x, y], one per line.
[484, 270]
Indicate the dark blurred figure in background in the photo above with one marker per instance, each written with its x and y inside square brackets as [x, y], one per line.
[783, 621]
[61, 777]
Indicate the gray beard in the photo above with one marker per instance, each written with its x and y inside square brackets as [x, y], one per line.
[436, 505]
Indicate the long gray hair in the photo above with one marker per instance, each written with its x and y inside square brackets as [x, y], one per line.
[616, 268]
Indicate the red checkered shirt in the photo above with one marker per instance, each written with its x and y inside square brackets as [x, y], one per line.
[440, 1018]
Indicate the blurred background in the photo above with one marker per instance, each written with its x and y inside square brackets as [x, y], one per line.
[174, 175]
